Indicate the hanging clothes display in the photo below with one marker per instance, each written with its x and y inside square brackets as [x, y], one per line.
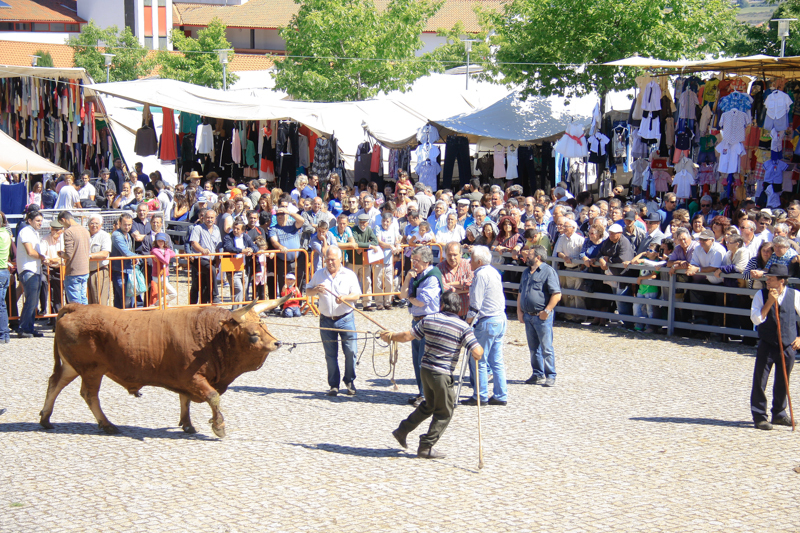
[499, 161]
[512, 158]
[427, 168]
[146, 143]
[573, 143]
[168, 150]
[204, 140]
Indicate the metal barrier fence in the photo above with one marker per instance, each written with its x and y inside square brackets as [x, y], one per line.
[709, 308]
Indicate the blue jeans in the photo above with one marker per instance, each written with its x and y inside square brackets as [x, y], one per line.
[490, 333]
[75, 289]
[31, 282]
[417, 351]
[651, 310]
[625, 308]
[5, 277]
[290, 312]
[540, 343]
[331, 346]
[119, 294]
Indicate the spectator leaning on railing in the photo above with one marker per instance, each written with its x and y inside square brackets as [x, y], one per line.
[76, 259]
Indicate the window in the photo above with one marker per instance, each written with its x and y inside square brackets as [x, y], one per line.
[41, 26]
[72, 27]
[6, 26]
[57, 27]
[22, 26]
[162, 43]
[148, 42]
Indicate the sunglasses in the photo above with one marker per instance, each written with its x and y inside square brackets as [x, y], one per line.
[705, 205]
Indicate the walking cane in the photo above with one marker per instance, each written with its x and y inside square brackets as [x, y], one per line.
[783, 366]
[480, 433]
[461, 378]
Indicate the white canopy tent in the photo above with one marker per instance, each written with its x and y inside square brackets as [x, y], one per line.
[15, 158]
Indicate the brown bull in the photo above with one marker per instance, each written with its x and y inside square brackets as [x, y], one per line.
[196, 352]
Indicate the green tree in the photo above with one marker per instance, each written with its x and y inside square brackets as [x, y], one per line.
[763, 39]
[130, 57]
[557, 47]
[199, 61]
[344, 50]
[45, 59]
[453, 53]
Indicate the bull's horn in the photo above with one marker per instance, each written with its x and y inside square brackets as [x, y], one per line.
[269, 305]
[240, 314]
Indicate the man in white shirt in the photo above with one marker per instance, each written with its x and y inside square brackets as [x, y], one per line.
[336, 285]
[370, 210]
[749, 238]
[497, 206]
[99, 250]
[29, 267]
[86, 190]
[706, 259]
[164, 200]
[68, 197]
[568, 248]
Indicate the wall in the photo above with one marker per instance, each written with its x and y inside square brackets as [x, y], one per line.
[102, 12]
[214, 2]
[36, 37]
[432, 41]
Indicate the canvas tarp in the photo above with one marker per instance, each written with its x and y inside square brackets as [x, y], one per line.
[16, 158]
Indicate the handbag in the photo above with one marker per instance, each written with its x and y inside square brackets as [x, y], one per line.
[136, 284]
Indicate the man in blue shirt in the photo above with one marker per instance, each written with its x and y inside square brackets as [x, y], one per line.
[285, 235]
[422, 287]
[122, 246]
[539, 293]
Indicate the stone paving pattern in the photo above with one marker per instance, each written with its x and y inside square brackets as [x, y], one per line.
[640, 434]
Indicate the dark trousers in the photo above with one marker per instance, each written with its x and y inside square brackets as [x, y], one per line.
[768, 355]
[439, 401]
[457, 149]
[204, 282]
[527, 172]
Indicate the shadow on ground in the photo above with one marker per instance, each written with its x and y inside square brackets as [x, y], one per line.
[83, 428]
[695, 421]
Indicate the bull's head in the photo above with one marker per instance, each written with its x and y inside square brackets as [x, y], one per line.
[245, 324]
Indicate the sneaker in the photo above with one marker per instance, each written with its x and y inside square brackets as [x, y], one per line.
[550, 382]
[763, 424]
[351, 389]
[333, 392]
[38, 334]
[495, 401]
[470, 401]
[534, 380]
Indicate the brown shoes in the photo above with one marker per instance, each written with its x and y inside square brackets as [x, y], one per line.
[427, 452]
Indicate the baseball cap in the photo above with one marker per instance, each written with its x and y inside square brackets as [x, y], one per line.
[363, 217]
[615, 228]
[202, 197]
[706, 234]
[162, 237]
[290, 276]
[630, 215]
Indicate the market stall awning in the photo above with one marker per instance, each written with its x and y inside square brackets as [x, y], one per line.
[512, 119]
[762, 65]
[16, 158]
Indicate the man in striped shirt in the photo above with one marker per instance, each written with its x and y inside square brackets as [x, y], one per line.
[456, 274]
[445, 334]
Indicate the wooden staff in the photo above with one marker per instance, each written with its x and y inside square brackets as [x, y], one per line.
[783, 365]
[354, 309]
[480, 433]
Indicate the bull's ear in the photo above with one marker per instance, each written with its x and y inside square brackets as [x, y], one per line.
[229, 325]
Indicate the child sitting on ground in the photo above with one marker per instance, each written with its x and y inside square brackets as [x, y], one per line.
[292, 307]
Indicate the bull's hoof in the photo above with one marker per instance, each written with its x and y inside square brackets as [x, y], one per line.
[219, 431]
[136, 394]
[189, 429]
[110, 429]
[46, 424]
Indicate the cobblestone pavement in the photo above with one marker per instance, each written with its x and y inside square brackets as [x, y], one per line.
[640, 434]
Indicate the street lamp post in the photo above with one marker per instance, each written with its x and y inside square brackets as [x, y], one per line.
[223, 58]
[468, 49]
[34, 60]
[109, 58]
[783, 32]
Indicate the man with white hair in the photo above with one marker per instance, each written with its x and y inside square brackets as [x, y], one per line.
[568, 248]
[336, 285]
[705, 209]
[438, 219]
[99, 251]
[480, 219]
[487, 315]
[370, 210]
[497, 205]
[750, 240]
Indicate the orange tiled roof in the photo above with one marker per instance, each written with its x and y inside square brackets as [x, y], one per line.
[41, 11]
[19, 54]
[271, 14]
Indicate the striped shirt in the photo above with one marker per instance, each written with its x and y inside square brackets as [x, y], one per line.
[460, 273]
[445, 334]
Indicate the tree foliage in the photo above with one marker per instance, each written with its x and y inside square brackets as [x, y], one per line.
[130, 57]
[453, 54]
[199, 62]
[344, 50]
[763, 39]
[45, 59]
[560, 43]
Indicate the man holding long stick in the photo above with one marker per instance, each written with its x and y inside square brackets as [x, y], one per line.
[444, 334]
[773, 330]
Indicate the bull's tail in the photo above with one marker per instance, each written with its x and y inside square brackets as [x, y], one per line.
[57, 357]
[67, 309]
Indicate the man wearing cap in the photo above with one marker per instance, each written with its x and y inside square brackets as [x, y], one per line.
[365, 240]
[706, 259]
[631, 231]
[465, 220]
[653, 234]
[102, 185]
[762, 313]
[285, 235]
[336, 286]
[617, 249]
